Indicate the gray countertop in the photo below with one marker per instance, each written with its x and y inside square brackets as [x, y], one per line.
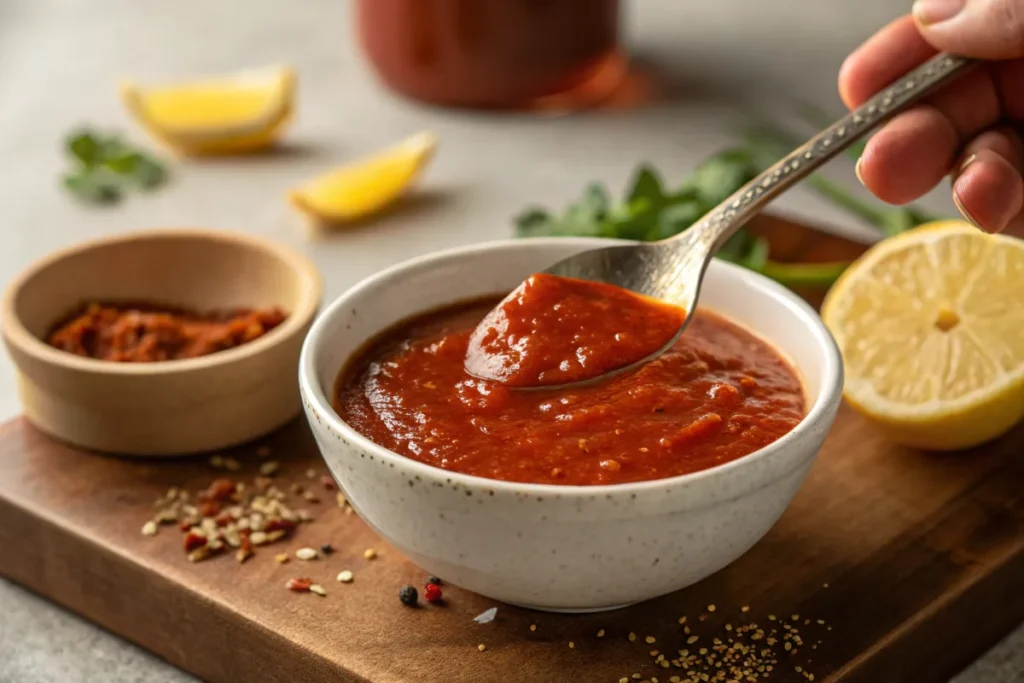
[59, 63]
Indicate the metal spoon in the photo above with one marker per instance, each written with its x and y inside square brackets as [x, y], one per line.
[672, 269]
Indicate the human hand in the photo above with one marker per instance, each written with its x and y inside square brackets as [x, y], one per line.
[971, 129]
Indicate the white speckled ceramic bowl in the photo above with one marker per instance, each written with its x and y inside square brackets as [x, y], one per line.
[563, 548]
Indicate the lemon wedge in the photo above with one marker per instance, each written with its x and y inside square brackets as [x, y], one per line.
[368, 185]
[930, 324]
[240, 112]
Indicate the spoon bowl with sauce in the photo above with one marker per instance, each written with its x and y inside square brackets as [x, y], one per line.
[611, 309]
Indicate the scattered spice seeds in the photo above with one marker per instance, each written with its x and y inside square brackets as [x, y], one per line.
[345, 576]
[408, 595]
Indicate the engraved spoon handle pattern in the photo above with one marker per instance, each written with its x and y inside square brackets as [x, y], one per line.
[721, 222]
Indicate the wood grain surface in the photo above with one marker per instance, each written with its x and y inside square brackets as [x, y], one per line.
[913, 561]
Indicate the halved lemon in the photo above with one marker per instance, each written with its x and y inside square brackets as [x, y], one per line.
[930, 324]
[239, 112]
[368, 185]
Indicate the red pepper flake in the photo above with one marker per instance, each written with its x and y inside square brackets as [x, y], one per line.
[194, 540]
[220, 489]
[285, 525]
[299, 585]
[432, 593]
[210, 508]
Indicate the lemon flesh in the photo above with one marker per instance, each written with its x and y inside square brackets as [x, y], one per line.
[931, 328]
[366, 186]
[240, 112]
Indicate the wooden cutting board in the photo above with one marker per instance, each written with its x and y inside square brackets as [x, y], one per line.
[914, 563]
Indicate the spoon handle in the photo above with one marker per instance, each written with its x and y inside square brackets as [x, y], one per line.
[725, 219]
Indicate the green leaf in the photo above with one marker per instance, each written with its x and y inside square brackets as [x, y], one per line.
[722, 175]
[92, 187]
[677, 217]
[647, 186]
[84, 147]
[148, 174]
[533, 223]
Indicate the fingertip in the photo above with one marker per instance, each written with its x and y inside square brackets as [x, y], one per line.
[909, 156]
[989, 191]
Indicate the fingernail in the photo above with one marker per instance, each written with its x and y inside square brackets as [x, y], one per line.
[856, 170]
[965, 163]
[964, 212]
[936, 11]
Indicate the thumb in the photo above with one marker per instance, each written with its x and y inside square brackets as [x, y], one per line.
[984, 29]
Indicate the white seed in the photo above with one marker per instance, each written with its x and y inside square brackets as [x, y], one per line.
[370, 553]
[269, 468]
[149, 528]
[258, 537]
[307, 553]
[318, 589]
[345, 576]
[232, 465]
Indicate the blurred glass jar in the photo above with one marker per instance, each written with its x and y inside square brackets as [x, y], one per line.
[506, 54]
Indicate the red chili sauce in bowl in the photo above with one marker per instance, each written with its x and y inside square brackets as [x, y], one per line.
[719, 393]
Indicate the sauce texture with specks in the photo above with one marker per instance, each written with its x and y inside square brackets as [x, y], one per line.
[555, 330]
[718, 394]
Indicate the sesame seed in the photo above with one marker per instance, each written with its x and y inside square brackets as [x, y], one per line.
[682, 620]
[649, 639]
[318, 589]
[623, 680]
[824, 585]
[481, 647]
[149, 528]
[307, 554]
[745, 608]
[571, 645]
[821, 621]
[600, 634]
[691, 640]
[269, 468]
[533, 627]
[281, 558]
[370, 554]
[632, 637]
[711, 608]
[345, 576]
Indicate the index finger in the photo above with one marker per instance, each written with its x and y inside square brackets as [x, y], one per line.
[892, 52]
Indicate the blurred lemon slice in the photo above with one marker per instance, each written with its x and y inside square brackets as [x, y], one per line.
[239, 112]
[931, 327]
[368, 185]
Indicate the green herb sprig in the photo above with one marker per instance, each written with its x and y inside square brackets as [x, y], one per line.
[105, 166]
[650, 211]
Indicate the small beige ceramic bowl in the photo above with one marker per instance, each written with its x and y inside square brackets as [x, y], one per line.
[170, 407]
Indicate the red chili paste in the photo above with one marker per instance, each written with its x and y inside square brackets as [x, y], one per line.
[147, 333]
[555, 330]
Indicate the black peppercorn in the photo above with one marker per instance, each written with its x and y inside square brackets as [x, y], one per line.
[327, 549]
[434, 580]
[408, 595]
